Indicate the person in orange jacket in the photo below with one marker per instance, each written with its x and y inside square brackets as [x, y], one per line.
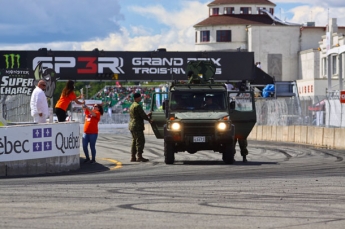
[92, 117]
[66, 97]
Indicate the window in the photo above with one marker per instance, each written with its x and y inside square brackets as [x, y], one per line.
[196, 37]
[214, 11]
[334, 65]
[246, 10]
[158, 99]
[229, 10]
[272, 11]
[260, 12]
[223, 35]
[205, 36]
[197, 101]
[243, 101]
[324, 66]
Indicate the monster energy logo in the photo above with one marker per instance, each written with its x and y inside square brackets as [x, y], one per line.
[12, 60]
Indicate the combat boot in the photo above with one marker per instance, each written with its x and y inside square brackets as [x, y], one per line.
[133, 158]
[141, 158]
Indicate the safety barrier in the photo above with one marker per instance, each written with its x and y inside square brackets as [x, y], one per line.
[39, 148]
[332, 138]
[311, 135]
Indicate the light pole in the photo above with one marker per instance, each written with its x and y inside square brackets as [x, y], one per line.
[87, 90]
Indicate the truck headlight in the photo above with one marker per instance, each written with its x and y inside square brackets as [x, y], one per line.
[221, 126]
[175, 126]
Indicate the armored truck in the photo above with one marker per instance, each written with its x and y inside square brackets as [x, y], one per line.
[198, 114]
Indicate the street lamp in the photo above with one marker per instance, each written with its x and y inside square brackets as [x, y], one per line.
[87, 90]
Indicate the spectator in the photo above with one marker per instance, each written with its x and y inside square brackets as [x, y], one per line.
[92, 117]
[66, 97]
[39, 104]
[230, 86]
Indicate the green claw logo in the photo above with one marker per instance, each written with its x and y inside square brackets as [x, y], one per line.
[11, 60]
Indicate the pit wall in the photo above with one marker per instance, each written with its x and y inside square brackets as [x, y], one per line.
[34, 149]
[318, 136]
[311, 135]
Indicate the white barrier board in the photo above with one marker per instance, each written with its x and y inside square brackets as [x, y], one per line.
[39, 141]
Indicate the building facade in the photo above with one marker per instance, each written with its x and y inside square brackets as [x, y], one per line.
[321, 70]
[287, 51]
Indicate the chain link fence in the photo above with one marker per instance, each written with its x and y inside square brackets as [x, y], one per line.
[326, 111]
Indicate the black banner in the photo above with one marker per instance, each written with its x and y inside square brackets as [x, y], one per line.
[133, 66]
[16, 81]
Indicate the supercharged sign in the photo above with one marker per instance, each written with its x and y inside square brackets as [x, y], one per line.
[16, 81]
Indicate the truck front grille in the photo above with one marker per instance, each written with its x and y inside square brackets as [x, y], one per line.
[198, 128]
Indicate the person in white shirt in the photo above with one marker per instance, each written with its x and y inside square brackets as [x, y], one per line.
[230, 87]
[39, 104]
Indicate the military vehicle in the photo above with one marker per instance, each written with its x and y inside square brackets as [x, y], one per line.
[187, 121]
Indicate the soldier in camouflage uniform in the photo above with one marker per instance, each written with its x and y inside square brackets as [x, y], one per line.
[136, 126]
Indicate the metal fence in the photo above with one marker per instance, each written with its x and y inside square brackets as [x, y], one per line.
[16, 108]
[324, 111]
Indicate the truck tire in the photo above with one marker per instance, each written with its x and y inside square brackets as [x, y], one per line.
[169, 153]
[229, 153]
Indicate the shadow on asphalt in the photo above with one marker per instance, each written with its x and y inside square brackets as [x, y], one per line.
[89, 168]
[85, 168]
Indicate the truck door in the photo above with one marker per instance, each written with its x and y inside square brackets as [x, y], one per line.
[243, 113]
[158, 114]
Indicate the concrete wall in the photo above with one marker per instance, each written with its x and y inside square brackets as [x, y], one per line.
[279, 40]
[309, 64]
[332, 138]
[310, 37]
[39, 166]
[39, 148]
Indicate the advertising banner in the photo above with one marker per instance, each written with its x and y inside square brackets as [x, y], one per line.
[123, 66]
[16, 81]
[39, 141]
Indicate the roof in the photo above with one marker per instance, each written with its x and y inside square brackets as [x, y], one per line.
[237, 19]
[256, 2]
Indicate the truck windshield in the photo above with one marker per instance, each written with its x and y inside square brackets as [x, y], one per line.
[197, 101]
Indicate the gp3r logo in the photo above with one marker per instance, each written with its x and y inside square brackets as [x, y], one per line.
[92, 64]
[12, 60]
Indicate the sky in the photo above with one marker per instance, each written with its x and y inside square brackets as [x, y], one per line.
[128, 25]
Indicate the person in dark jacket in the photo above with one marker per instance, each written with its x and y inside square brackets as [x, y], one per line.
[136, 126]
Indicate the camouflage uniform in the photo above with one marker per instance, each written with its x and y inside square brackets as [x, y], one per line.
[136, 126]
[243, 146]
